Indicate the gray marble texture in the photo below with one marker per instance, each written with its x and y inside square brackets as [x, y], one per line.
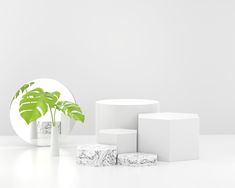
[96, 155]
[137, 159]
[44, 127]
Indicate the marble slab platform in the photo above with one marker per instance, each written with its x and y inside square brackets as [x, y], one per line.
[137, 159]
[96, 155]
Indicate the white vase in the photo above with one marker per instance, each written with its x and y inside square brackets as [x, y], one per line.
[33, 130]
[54, 141]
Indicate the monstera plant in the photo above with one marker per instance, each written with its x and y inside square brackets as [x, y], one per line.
[35, 103]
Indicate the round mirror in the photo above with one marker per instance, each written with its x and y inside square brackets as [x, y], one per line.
[38, 132]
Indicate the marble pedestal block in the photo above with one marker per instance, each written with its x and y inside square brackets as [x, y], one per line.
[172, 136]
[124, 139]
[96, 155]
[137, 159]
[122, 113]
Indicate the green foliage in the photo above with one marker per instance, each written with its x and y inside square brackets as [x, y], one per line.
[22, 90]
[71, 109]
[36, 103]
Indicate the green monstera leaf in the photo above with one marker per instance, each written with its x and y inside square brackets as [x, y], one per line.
[35, 103]
[52, 98]
[22, 90]
[71, 109]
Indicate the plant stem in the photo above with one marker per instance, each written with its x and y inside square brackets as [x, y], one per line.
[52, 118]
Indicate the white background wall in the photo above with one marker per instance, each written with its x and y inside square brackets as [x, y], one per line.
[178, 52]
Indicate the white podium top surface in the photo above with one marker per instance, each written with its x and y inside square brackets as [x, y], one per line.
[168, 116]
[127, 102]
[118, 131]
[96, 147]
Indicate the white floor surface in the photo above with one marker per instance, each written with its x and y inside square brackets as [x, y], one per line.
[25, 166]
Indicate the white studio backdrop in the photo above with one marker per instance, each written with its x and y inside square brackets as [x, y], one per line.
[178, 52]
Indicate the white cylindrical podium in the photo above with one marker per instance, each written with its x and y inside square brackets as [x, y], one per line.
[122, 113]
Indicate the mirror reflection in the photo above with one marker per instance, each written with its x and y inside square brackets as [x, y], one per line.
[38, 132]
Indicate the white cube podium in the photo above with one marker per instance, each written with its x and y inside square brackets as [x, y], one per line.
[172, 136]
[122, 113]
[124, 139]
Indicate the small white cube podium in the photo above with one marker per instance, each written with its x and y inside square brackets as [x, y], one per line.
[172, 136]
[124, 139]
[122, 113]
